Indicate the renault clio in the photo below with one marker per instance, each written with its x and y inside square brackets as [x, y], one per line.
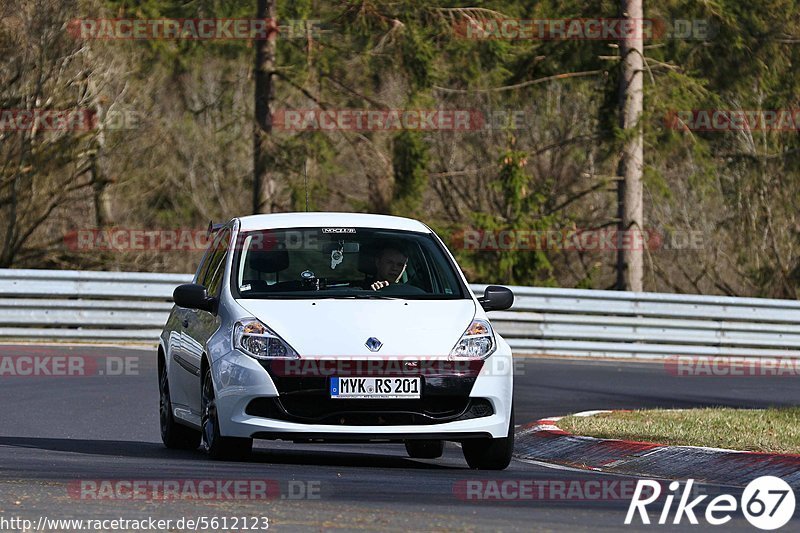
[335, 327]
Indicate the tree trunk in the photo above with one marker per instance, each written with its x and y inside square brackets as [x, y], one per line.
[101, 199]
[630, 255]
[264, 184]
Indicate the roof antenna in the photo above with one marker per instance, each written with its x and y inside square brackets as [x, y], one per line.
[305, 180]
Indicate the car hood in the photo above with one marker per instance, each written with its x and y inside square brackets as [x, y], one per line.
[341, 327]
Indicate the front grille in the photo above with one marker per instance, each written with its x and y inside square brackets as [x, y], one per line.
[315, 410]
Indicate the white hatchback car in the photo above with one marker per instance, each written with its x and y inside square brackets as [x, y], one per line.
[335, 327]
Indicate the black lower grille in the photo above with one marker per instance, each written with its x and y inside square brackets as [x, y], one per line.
[316, 410]
[304, 393]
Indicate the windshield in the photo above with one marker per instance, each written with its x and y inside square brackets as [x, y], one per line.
[343, 263]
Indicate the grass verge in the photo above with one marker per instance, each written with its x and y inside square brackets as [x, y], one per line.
[774, 430]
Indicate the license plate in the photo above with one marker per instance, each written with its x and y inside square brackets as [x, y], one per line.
[375, 388]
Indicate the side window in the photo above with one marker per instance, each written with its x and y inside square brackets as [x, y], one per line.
[216, 266]
[443, 279]
[202, 270]
[213, 258]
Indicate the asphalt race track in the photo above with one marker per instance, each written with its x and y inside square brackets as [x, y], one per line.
[57, 431]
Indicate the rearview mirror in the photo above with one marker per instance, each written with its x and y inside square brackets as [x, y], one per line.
[193, 296]
[351, 247]
[496, 298]
[345, 247]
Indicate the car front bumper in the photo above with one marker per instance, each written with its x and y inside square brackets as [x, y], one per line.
[242, 382]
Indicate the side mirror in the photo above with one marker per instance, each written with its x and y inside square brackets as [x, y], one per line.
[496, 298]
[193, 296]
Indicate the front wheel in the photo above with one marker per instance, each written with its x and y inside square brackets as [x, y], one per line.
[173, 435]
[490, 454]
[216, 446]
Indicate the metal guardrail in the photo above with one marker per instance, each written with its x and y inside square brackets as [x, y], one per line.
[625, 324]
[72, 305]
[59, 305]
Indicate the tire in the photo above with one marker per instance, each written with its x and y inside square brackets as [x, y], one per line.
[425, 449]
[216, 446]
[174, 435]
[490, 454]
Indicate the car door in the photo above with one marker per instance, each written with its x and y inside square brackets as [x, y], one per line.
[185, 376]
[200, 325]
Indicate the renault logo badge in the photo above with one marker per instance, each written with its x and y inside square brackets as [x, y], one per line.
[373, 344]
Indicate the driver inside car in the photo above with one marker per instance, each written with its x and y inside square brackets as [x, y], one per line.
[390, 264]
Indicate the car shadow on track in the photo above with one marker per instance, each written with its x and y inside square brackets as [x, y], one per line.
[341, 458]
[150, 450]
[97, 447]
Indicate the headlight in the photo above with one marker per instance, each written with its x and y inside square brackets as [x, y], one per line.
[476, 343]
[256, 340]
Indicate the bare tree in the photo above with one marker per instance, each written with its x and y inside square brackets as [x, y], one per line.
[42, 169]
[630, 259]
[264, 184]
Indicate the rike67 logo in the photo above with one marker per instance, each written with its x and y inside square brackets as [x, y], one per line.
[768, 503]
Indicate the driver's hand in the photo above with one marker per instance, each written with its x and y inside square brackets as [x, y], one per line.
[379, 285]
